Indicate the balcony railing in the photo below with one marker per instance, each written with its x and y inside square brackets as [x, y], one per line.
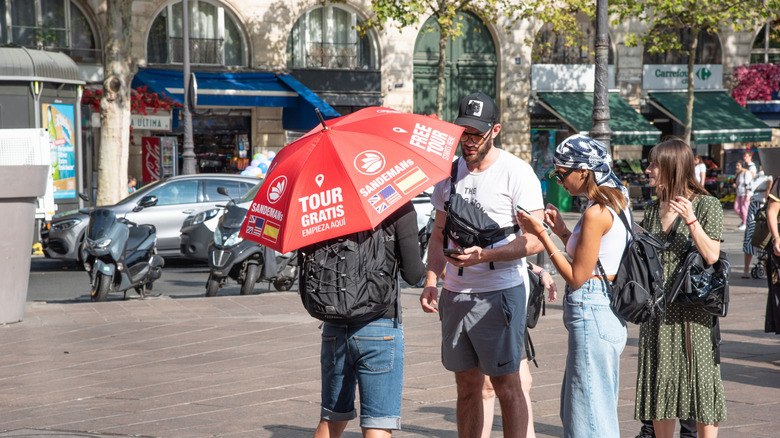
[332, 55]
[202, 50]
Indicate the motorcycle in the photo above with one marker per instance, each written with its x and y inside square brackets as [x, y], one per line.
[242, 260]
[120, 255]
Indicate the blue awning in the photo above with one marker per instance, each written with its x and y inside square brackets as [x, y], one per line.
[247, 89]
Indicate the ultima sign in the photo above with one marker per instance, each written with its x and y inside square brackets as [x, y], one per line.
[675, 77]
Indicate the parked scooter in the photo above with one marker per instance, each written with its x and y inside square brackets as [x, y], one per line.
[245, 261]
[120, 255]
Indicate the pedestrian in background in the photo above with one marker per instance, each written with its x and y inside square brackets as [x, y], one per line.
[700, 170]
[597, 336]
[483, 298]
[742, 179]
[678, 375]
[131, 184]
[758, 187]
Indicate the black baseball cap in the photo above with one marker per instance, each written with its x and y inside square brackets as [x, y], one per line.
[478, 111]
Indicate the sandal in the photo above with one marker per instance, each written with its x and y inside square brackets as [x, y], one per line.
[746, 276]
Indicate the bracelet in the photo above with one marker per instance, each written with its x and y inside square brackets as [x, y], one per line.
[689, 223]
[554, 252]
[539, 274]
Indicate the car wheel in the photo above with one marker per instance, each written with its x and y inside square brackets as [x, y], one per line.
[212, 286]
[101, 287]
[252, 274]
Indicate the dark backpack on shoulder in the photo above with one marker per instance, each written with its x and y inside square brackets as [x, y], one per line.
[638, 290]
[349, 279]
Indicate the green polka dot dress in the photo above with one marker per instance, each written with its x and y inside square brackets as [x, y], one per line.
[677, 375]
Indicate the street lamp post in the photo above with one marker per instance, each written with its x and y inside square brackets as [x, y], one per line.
[600, 130]
[188, 148]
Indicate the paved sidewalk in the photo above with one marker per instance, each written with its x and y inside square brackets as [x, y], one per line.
[248, 366]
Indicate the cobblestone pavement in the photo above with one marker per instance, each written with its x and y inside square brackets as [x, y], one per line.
[248, 366]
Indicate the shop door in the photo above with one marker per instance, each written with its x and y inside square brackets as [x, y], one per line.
[470, 65]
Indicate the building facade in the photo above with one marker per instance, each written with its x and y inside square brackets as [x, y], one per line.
[542, 88]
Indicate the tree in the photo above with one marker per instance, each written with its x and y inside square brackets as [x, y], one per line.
[119, 69]
[408, 13]
[667, 18]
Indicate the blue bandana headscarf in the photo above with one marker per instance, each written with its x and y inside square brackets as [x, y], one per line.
[582, 152]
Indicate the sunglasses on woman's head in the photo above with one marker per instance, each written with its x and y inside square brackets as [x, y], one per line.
[562, 176]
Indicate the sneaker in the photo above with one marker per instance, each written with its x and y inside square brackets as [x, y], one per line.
[741, 227]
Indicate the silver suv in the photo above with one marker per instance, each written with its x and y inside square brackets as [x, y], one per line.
[166, 204]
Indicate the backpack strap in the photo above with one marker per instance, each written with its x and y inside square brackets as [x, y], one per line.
[530, 351]
[448, 204]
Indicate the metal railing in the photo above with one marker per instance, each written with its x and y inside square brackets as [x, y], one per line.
[331, 55]
[202, 50]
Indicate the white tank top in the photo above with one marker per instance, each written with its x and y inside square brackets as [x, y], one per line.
[611, 247]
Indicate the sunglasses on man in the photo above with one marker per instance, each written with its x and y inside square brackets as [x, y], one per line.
[474, 138]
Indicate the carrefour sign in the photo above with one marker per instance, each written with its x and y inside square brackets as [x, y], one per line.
[675, 76]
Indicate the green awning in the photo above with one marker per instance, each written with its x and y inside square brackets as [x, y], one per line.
[717, 118]
[576, 110]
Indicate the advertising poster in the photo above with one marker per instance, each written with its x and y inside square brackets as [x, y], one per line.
[58, 120]
[150, 159]
[542, 151]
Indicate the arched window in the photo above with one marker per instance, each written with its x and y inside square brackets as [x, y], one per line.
[325, 37]
[766, 46]
[58, 25]
[551, 48]
[215, 37]
[708, 50]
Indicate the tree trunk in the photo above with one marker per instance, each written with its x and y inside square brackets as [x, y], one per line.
[441, 84]
[115, 104]
[689, 103]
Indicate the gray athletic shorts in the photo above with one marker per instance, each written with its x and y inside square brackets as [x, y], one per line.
[484, 330]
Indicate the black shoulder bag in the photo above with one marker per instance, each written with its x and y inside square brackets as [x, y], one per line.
[467, 225]
[699, 286]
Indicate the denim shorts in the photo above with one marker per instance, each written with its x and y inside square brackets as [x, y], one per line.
[370, 357]
[484, 330]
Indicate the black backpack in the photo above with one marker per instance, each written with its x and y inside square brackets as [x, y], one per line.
[349, 279]
[638, 290]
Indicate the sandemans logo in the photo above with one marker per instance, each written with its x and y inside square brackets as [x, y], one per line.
[369, 162]
[276, 189]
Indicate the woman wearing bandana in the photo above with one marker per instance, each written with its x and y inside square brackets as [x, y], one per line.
[679, 374]
[597, 336]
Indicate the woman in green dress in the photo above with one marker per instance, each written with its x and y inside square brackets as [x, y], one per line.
[679, 373]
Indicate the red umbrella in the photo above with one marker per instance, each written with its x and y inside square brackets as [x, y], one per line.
[348, 175]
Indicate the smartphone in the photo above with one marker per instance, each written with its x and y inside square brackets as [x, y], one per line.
[546, 227]
[449, 251]
[519, 208]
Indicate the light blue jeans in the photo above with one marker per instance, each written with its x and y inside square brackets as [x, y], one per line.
[597, 336]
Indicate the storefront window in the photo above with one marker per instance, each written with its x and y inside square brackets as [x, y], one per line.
[552, 48]
[766, 46]
[708, 50]
[215, 38]
[325, 37]
[50, 24]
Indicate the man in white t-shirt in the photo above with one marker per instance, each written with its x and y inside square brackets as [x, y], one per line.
[483, 300]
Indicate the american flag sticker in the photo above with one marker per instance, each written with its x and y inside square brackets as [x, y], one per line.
[271, 231]
[409, 182]
[254, 225]
[390, 195]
